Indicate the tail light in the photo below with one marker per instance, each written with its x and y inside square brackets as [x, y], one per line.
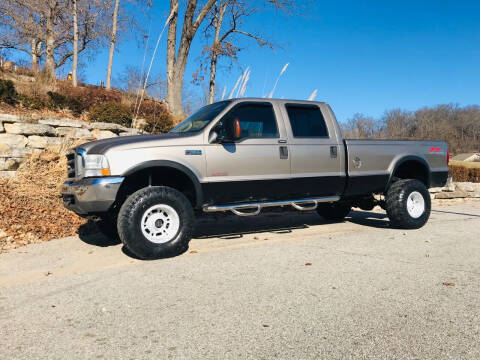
[448, 157]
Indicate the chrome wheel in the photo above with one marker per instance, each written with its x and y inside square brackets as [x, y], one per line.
[160, 223]
[415, 204]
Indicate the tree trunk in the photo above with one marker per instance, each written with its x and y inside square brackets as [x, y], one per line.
[215, 50]
[112, 45]
[50, 44]
[33, 55]
[213, 71]
[172, 97]
[75, 44]
[176, 64]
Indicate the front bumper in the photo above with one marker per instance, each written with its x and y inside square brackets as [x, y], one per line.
[90, 195]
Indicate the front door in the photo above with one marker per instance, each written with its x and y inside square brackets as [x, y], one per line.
[254, 167]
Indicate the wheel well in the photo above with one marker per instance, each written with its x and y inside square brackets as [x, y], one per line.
[158, 176]
[412, 169]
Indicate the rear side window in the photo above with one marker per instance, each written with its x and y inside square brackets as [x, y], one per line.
[306, 121]
[256, 120]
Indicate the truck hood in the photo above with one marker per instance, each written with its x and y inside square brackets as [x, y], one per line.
[139, 141]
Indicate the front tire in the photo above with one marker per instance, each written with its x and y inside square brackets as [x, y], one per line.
[156, 222]
[408, 204]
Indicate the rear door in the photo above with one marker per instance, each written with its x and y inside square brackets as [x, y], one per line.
[254, 167]
[317, 150]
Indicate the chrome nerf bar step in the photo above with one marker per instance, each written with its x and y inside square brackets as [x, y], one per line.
[258, 206]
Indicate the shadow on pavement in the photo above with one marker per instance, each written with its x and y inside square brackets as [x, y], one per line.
[90, 234]
[369, 218]
[228, 226]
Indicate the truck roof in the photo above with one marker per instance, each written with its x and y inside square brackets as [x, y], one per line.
[277, 99]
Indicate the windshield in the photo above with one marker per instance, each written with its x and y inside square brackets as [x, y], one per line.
[201, 118]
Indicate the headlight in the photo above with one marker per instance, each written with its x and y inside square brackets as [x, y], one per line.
[96, 165]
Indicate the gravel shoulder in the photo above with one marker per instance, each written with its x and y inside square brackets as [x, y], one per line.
[283, 285]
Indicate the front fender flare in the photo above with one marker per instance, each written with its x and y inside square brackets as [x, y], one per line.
[173, 165]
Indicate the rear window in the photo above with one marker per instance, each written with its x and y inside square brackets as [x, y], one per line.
[306, 121]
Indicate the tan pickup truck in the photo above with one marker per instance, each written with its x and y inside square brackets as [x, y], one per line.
[242, 156]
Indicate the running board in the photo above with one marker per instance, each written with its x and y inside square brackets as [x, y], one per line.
[258, 206]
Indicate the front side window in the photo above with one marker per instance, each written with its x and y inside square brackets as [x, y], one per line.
[306, 121]
[201, 118]
[256, 120]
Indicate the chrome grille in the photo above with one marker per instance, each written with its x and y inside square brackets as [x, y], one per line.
[71, 164]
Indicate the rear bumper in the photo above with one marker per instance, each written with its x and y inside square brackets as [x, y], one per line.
[90, 195]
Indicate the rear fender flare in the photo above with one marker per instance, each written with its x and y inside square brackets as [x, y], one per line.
[403, 160]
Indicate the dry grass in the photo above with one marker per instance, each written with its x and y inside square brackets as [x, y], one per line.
[463, 173]
[30, 208]
[466, 164]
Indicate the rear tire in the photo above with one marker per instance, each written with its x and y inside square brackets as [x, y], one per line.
[156, 222]
[408, 204]
[335, 211]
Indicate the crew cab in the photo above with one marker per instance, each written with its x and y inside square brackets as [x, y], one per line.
[242, 156]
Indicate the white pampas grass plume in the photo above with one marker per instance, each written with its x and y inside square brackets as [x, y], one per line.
[235, 87]
[244, 86]
[244, 75]
[313, 96]
[224, 91]
[278, 78]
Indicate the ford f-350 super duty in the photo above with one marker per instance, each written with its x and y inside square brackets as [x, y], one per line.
[242, 156]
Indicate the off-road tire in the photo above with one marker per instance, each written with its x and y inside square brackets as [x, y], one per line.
[396, 204]
[130, 217]
[336, 211]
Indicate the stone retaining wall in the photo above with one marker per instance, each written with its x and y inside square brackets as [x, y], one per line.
[21, 135]
[456, 190]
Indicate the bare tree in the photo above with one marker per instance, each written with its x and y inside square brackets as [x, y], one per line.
[177, 58]
[20, 29]
[131, 77]
[224, 43]
[75, 43]
[44, 29]
[113, 39]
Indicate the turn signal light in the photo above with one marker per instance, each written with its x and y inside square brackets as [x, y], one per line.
[106, 172]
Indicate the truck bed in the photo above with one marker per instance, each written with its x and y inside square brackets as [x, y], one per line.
[371, 163]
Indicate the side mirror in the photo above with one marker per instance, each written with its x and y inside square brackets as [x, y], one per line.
[214, 135]
[237, 129]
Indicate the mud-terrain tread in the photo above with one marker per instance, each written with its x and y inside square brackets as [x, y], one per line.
[395, 204]
[129, 220]
[334, 212]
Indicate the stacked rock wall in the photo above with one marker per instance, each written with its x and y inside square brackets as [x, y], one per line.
[20, 136]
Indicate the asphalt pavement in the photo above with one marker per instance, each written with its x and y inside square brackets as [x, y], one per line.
[282, 285]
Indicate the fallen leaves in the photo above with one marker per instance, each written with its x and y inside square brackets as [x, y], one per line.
[30, 207]
[449, 283]
[308, 264]
[193, 252]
